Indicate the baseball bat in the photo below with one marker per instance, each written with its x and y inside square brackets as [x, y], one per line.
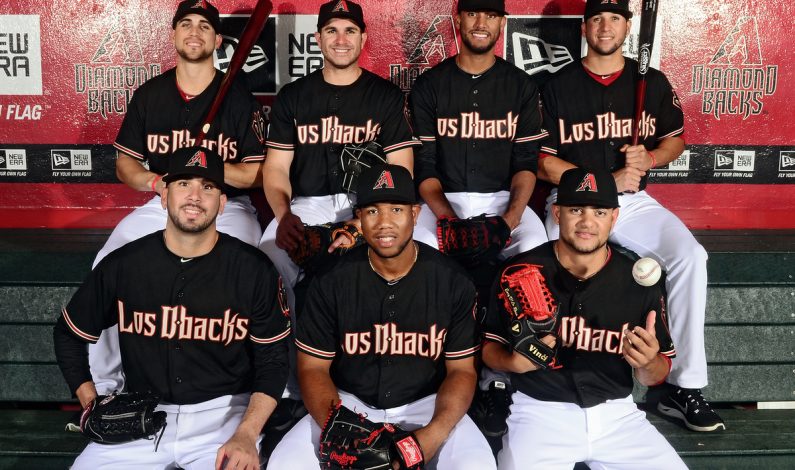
[247, 39]
[648, 23]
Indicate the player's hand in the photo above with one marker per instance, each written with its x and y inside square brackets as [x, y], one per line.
[637, 157]
[521, 364]
[289, 232]
[343, 239]
[640, 344]
[238, 453]
[628, 179]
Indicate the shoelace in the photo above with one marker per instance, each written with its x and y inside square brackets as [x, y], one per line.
[697, 399]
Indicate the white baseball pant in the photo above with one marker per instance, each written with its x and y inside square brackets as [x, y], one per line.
[555, 435]
[191, 439]
[464, 449]
[239, 220]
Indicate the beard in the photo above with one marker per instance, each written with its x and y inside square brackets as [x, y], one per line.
[190, 228]
[478, 49]
[580, 246]
[197, 57]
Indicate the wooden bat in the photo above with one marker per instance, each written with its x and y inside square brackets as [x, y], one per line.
[247, 39]
[648, 23]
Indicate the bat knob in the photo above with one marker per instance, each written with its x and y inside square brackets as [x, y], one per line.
[206, 128]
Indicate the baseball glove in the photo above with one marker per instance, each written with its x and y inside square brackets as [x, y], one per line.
[532, 312]
[473, 241]
[122, 417]
[351, 441]
[355, 158]
[311, 254]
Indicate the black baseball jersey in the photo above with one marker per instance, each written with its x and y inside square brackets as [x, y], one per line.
[589, 122]
[161, 119]
[594, 313]
[477, 131]
[314, 119]
[189, 329]
[388, 341]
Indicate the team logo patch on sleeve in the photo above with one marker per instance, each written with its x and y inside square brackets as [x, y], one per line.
[588, 183]
[385, 181]
[198, 159]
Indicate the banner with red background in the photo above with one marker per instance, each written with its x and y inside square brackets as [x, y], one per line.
[67, 70]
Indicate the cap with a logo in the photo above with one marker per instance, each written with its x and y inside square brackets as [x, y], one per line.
[497, 6]
[200, 7]
[594, 7]
[385, 183]
[579, 187]
[195, 162]
[340, 9]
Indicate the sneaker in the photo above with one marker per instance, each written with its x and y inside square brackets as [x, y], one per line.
[495, 409]
[689, 405]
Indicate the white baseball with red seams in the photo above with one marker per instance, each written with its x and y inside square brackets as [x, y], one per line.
[646, 272]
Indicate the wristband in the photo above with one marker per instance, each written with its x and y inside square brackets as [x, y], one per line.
[653, 160]
[667, 360]
[154, 182]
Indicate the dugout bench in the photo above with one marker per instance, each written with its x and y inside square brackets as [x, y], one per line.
[750, 336]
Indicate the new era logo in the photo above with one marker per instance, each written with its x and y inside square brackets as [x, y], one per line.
[13, 159]
[61, 160]
[734, 160]
[76, 160]
[534, 55]
[787, 161]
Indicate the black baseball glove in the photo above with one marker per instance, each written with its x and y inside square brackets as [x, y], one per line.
[473, 241]
[311, 254]
[122, 417]
[355, 158]
[351, 441]
[531, 312]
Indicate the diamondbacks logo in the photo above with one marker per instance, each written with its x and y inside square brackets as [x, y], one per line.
[736, 81]
[115, 70]
[342, 5]
[384, 181]
[437, 43]
[588, 183]
[200, 4]
[198, 159]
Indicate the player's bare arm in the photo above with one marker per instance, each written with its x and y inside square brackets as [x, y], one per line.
[243, 175]
[452, 401]
[551, 168]
[86, 393]
[403, 157]
[641, 351]
[522, 185]
[433, 195]
[499, 357]
[319, 391]
[278, 192]
[240, 451]
[130, 172]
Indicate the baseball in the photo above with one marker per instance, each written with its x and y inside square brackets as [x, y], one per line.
[646, 272]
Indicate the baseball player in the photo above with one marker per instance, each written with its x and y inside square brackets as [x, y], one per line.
[588, 111]
[479, 122]
[202, 322]
[579, 406]
[311, 122]
[164, 115]
[403, 353]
